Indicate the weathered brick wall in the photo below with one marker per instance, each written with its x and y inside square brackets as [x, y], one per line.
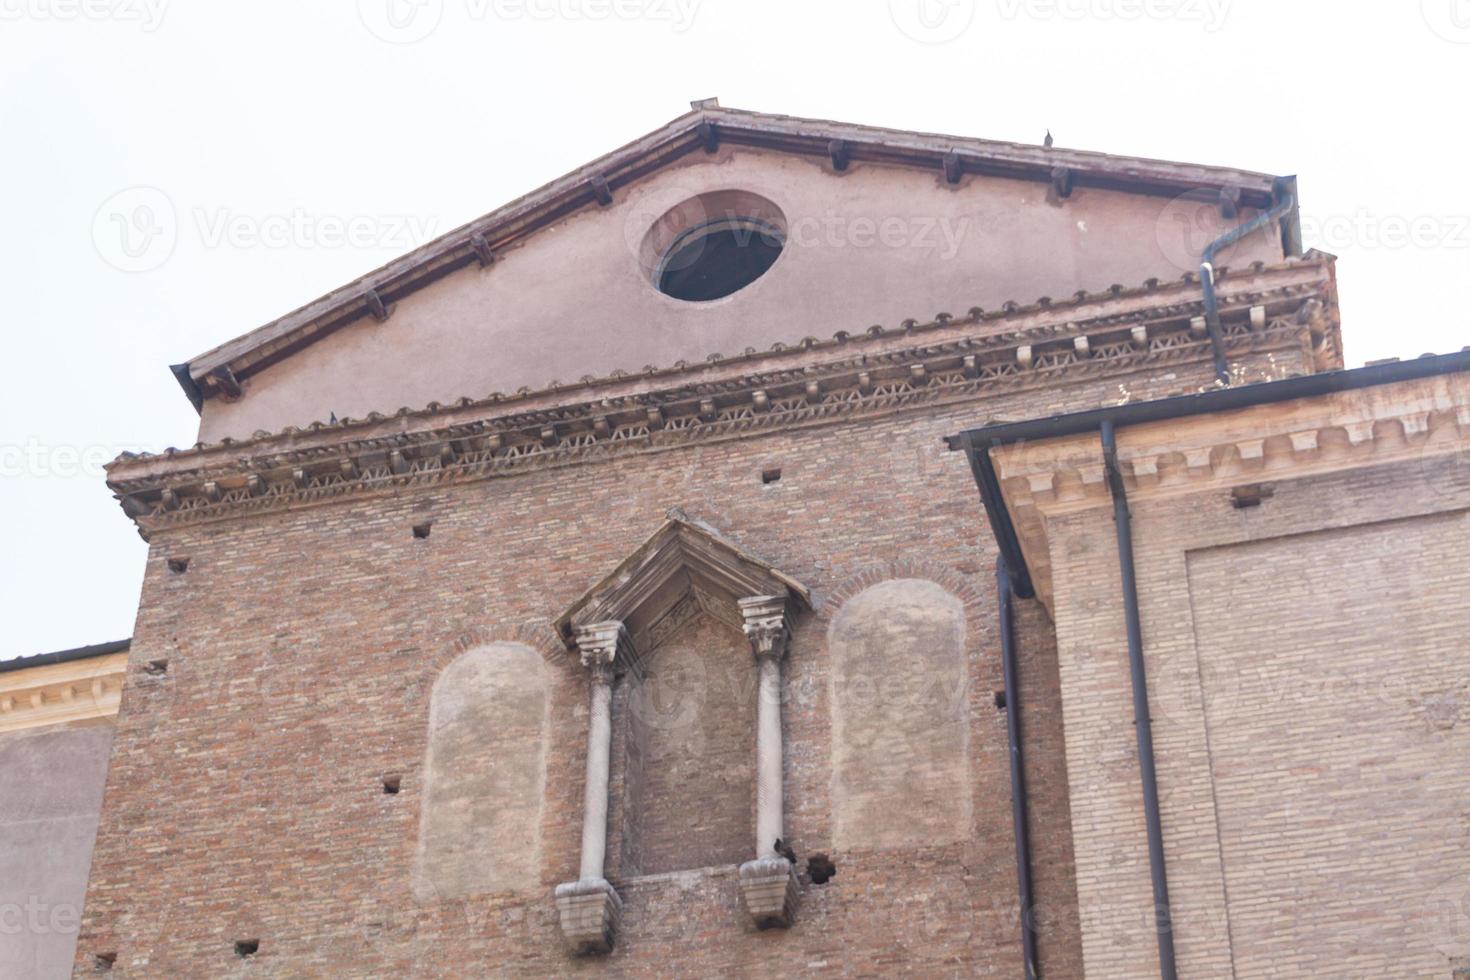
[1308, 687]
[245, 799]
[1049, 826]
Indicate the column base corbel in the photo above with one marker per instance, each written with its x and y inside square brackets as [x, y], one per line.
[770, 892]
[590, 911]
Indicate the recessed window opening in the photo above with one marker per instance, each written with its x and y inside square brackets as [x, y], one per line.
[718, 257]
[392, 783]
[771, 475]
[103, 962]
[247, 947]
[1250, 495]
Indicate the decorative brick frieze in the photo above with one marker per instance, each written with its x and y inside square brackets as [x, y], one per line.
[1406, 423]
[295, 469]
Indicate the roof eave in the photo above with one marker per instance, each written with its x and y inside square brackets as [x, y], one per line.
[65, 656]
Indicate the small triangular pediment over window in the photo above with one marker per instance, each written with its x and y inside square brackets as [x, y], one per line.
[686, 563]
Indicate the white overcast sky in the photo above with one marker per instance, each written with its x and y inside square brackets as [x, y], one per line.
[233, 117]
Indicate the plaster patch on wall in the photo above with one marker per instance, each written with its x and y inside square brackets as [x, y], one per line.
[484, 775]
[900, 731]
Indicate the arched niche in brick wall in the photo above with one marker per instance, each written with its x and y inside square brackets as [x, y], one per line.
[484, 775]
[689, 756]
[900, 717]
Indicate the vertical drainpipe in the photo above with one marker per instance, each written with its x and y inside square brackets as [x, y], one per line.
[1286, 200]
[1018, 779]
[1142, 726]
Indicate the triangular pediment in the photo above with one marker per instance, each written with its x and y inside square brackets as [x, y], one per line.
[684, 568]
[518, 280]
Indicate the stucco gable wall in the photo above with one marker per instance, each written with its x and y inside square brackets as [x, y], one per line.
[876, 244]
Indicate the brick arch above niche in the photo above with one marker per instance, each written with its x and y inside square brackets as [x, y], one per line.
[954, 581]
[480, 825]
[532, 633]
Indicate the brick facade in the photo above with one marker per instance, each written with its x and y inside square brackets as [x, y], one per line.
[245, 802]
[310, 584]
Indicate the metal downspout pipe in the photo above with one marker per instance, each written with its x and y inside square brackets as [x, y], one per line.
[1142, 725]
[1278, 210]
[1018, 779]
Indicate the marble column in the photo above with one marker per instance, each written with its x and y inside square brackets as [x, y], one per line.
[768, 884]
[599, 748]
[589, 907]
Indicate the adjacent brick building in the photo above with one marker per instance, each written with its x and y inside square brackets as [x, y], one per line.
[530, 683]
[1302, 581]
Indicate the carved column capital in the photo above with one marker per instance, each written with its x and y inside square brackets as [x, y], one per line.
[606, 650]
[767, 625]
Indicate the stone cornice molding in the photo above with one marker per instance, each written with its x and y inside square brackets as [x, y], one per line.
[1009, 324]
[683, 568]
[1287, 308]
[1407, 422]
[56, 694]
